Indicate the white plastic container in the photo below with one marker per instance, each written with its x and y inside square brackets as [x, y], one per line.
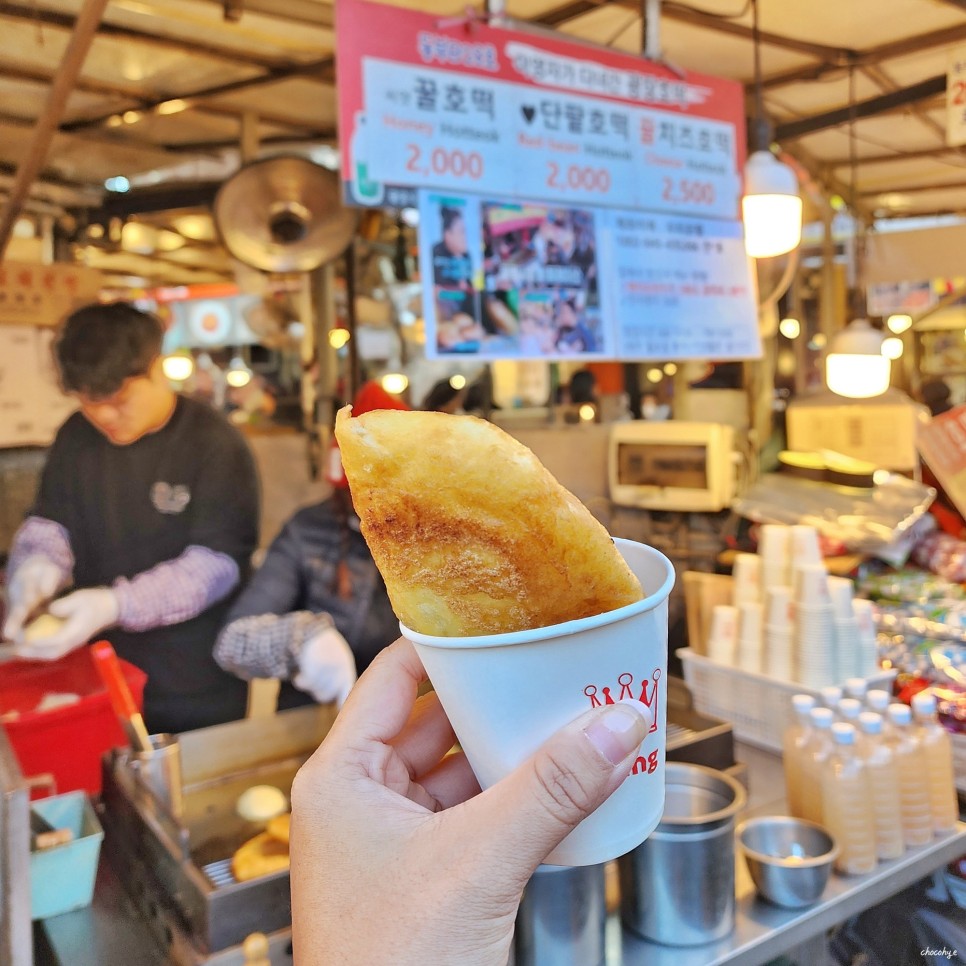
[505, 694]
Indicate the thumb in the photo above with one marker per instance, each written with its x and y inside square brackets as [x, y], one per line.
[63, 607]
[569, 776]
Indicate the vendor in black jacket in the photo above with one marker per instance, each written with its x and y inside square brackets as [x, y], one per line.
[148, 511]
[316, 612]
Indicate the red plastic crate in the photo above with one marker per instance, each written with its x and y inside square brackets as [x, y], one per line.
[69, 741]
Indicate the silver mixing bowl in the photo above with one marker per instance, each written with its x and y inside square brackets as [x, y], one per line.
[789, 859]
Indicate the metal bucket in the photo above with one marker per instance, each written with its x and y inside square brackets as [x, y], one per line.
[678, 886]
[160, 771]
[562, 917]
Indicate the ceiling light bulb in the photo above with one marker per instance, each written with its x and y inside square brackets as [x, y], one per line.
[175, 106]
[587, 413]
[238, 375]
[790, 328]
[771, 207]
[899, 323]
[177, 367]
[855, 366]
[892, 348]
[457, 382]
[655, 375]
[394, 382]
[338, 338]
[670, 369]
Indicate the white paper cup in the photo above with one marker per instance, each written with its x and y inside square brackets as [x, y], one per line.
[506, 694]
[750, 623]
[778, 607]
[724, 627]
[840, 590]
[803, 545]
[746, 579]
[811, 584]
[773, 548]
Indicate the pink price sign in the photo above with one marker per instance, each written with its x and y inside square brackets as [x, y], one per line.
[462, 105]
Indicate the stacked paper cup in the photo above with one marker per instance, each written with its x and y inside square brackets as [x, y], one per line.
[815, 660]
[779, 660]
[773, 549]
[865, 652]
[846, 627]
[749, 652]
[723, 634]
[746, 579]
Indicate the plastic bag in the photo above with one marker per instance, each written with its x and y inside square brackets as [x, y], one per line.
[879, 521]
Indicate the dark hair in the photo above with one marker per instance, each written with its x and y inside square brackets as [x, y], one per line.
[100, 346]
[935, 394]
[440, 395]
[583, 387]
[449, 217]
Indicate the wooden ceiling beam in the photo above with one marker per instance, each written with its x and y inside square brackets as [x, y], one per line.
[867, 159]
[188, 44]
[322, 71]
[85, 29]
[868, 108]
[914, 189]
[872, 56]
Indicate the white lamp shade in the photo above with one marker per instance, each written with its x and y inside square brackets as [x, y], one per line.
[771, 207]
[855, 366]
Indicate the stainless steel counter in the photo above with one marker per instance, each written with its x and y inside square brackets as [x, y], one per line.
[764, 932]
[110, 933]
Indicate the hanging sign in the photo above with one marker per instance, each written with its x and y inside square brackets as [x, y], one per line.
[956, 98]
[44, 294]
[507, 279]
[573, 200]
[465, 106]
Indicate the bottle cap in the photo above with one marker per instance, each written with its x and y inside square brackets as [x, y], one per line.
[803, 703]
[856, 687]
[822, 717]
[900, 714]
[850, 708]
[878, 700]
[831, 696]
[843, 733]
[924, 703]
[870, 723]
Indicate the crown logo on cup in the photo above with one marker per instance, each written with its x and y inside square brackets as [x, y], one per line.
[649, 694]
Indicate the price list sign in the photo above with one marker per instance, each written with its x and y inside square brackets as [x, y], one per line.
[469, 121]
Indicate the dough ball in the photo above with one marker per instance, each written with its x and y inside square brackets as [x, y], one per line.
[260, 803]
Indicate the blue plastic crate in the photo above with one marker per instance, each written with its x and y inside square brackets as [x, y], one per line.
[62, 878]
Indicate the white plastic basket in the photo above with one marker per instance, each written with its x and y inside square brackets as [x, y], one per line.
[758, 707]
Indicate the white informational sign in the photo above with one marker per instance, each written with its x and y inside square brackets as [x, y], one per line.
[956, 98]
[506, 279]
[32, 407]
[544, 146]
[574, 201]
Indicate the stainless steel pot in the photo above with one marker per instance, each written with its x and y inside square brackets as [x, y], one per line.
[678, 887]
[562, 917]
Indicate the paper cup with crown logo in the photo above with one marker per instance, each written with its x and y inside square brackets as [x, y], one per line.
[505, 694]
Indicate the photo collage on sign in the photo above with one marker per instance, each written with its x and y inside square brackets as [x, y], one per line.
[512, 279]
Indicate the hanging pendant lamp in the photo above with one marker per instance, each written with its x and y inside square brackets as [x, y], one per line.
[771, 207]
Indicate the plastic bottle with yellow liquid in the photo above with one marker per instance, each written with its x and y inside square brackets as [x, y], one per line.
[845, 803]
[916, 809]
[814, 755]
[794, 742]
[938, 753]
[880, 768]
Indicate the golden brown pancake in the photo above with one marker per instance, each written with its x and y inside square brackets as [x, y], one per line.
[261, 855]
[470, 532]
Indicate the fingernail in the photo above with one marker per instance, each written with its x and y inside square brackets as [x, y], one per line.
[617, 731]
